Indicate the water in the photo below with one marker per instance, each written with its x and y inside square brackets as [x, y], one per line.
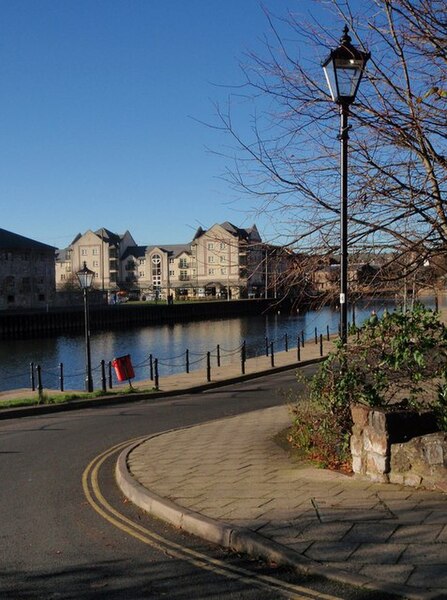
[168, 343]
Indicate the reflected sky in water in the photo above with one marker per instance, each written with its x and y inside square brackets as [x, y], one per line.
[168, 343]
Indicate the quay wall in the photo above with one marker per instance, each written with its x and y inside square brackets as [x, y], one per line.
[56, 321]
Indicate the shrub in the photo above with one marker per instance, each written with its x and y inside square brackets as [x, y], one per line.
[399, 360]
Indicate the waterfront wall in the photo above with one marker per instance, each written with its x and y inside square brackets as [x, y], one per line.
[28, 324]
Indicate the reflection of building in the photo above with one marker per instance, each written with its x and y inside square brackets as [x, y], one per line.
[26, 272]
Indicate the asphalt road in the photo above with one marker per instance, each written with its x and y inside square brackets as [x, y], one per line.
[54, 545]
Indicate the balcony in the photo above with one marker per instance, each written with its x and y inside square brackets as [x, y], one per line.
[184, 278]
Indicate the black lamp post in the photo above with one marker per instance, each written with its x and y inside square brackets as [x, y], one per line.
[85, 277]
[344, 69]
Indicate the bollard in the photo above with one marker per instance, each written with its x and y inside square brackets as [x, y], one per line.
[286, 342]
[39, 383]
[208, 366]
[61, 377]
[243, 358]
[327, 333]
[103, 376]
[33, 381]
[187, 360]
[151, 368]
[110, 375]
[266, 346]
[272, 356]
[298, 351]
[155, 366]
[321, 344]
[218, 355]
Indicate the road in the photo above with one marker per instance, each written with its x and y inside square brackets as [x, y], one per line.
[54, 545]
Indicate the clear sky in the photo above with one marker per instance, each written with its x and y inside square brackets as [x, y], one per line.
[99, 108]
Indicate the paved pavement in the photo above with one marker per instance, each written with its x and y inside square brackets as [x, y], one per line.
[230, 483]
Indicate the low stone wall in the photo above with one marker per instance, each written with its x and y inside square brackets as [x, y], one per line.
[398, 447]
[420, 462]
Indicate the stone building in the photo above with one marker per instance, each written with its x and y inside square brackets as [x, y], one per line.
[27, 278]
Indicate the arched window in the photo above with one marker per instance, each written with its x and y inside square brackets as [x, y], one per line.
[156, 270]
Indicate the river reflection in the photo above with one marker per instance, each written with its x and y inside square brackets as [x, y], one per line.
[168, 343]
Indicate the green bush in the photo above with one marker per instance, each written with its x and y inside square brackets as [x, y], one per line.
[399, 360]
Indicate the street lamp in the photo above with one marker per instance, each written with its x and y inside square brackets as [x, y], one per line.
[343, 69]
[85, 277]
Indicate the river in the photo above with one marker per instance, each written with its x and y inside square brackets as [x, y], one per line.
[168, 343]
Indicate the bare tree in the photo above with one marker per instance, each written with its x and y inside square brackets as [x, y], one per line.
[398, 149]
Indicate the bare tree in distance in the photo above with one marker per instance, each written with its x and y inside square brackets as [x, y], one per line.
[398, 149]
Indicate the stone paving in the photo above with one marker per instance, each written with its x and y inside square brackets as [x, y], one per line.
[231, 470]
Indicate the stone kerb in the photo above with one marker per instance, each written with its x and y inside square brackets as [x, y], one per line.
[382, 451]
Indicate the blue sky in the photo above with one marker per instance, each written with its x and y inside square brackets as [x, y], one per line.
[100, 104]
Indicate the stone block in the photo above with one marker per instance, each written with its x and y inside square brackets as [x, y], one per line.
[377, 463]
[360, 414]
[396, 477]
[357, 464]
[356, 445]
[412, 479]
[377, 420]
[374, 441]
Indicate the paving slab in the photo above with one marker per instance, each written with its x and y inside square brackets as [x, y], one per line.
[384, 537]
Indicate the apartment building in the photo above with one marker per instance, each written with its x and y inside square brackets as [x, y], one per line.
[102, 251]
[27, 278]
[224, 261]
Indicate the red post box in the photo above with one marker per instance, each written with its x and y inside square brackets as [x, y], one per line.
[123, 368]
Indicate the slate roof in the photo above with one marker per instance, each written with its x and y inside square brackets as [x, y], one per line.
[14, 241]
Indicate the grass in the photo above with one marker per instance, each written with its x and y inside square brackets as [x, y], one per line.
[60, 398]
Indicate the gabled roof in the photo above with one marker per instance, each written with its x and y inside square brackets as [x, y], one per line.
[108, 236]
[241, 233]
[14, 241]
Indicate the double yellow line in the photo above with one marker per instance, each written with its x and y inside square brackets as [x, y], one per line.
[98, 502]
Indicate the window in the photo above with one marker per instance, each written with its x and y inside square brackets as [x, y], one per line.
[211, 271]
[210, 259]
[95, 251]
[210, 246]
[41, 297]
[223, 245]
[141, 274]
[83, 251]
[223, 271]
[95, 263]
[142, 261]
[171, 273]
[171, 261]
[183, 263]
[156, 270]
[223, 258]
[62, 277]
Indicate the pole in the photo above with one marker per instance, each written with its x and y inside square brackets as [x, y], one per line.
[344, 137]
[88, 360]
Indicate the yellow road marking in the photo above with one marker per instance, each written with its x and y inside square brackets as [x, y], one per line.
[97, 501]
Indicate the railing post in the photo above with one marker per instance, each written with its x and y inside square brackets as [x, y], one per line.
[327, 330]
[272, 355]
[243, 358]
[103, 376]
[155, 366]
[39, 382]
[208, 366]
[286, 342]
[321, 344]
[302, 338]
[298, 351]
[266, 346]
[187, 360]
[151, 368]
[33, 381]
[61, 377]
[316, 335]
[218, 354]
[110, 375]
